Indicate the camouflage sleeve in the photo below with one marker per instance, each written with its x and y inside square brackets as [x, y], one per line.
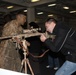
[9, 29]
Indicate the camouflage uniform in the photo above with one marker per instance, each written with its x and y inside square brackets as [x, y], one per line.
[9, 56]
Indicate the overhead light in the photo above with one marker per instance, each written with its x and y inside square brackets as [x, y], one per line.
[73, 11]
[50, 15]
[25, 11]
[40, 13]
[50, 5]
[66, 7]
[10, 7]
[34, 0]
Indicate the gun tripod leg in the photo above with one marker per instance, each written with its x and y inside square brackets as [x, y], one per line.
[25, 65]
[22, 65]
[30, 67]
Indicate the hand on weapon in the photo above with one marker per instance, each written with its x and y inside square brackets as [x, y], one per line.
[23, 44]
[43, 38]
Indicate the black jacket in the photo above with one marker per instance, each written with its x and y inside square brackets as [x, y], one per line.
[63, 42]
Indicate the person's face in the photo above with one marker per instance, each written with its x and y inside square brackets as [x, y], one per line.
[23, 20]
[49, 26]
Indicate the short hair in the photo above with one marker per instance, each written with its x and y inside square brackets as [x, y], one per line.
[51, 20]
[21, 15]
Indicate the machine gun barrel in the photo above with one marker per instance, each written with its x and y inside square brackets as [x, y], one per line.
[21, 35]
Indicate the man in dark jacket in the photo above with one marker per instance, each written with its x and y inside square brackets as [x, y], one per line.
[64, 42]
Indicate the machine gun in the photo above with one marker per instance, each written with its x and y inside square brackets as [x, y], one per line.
[26, 34]
[21, 35]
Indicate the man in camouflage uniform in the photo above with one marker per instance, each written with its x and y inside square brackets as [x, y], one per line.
[9, 56]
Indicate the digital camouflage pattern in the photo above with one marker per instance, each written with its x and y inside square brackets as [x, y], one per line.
[9, 56]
